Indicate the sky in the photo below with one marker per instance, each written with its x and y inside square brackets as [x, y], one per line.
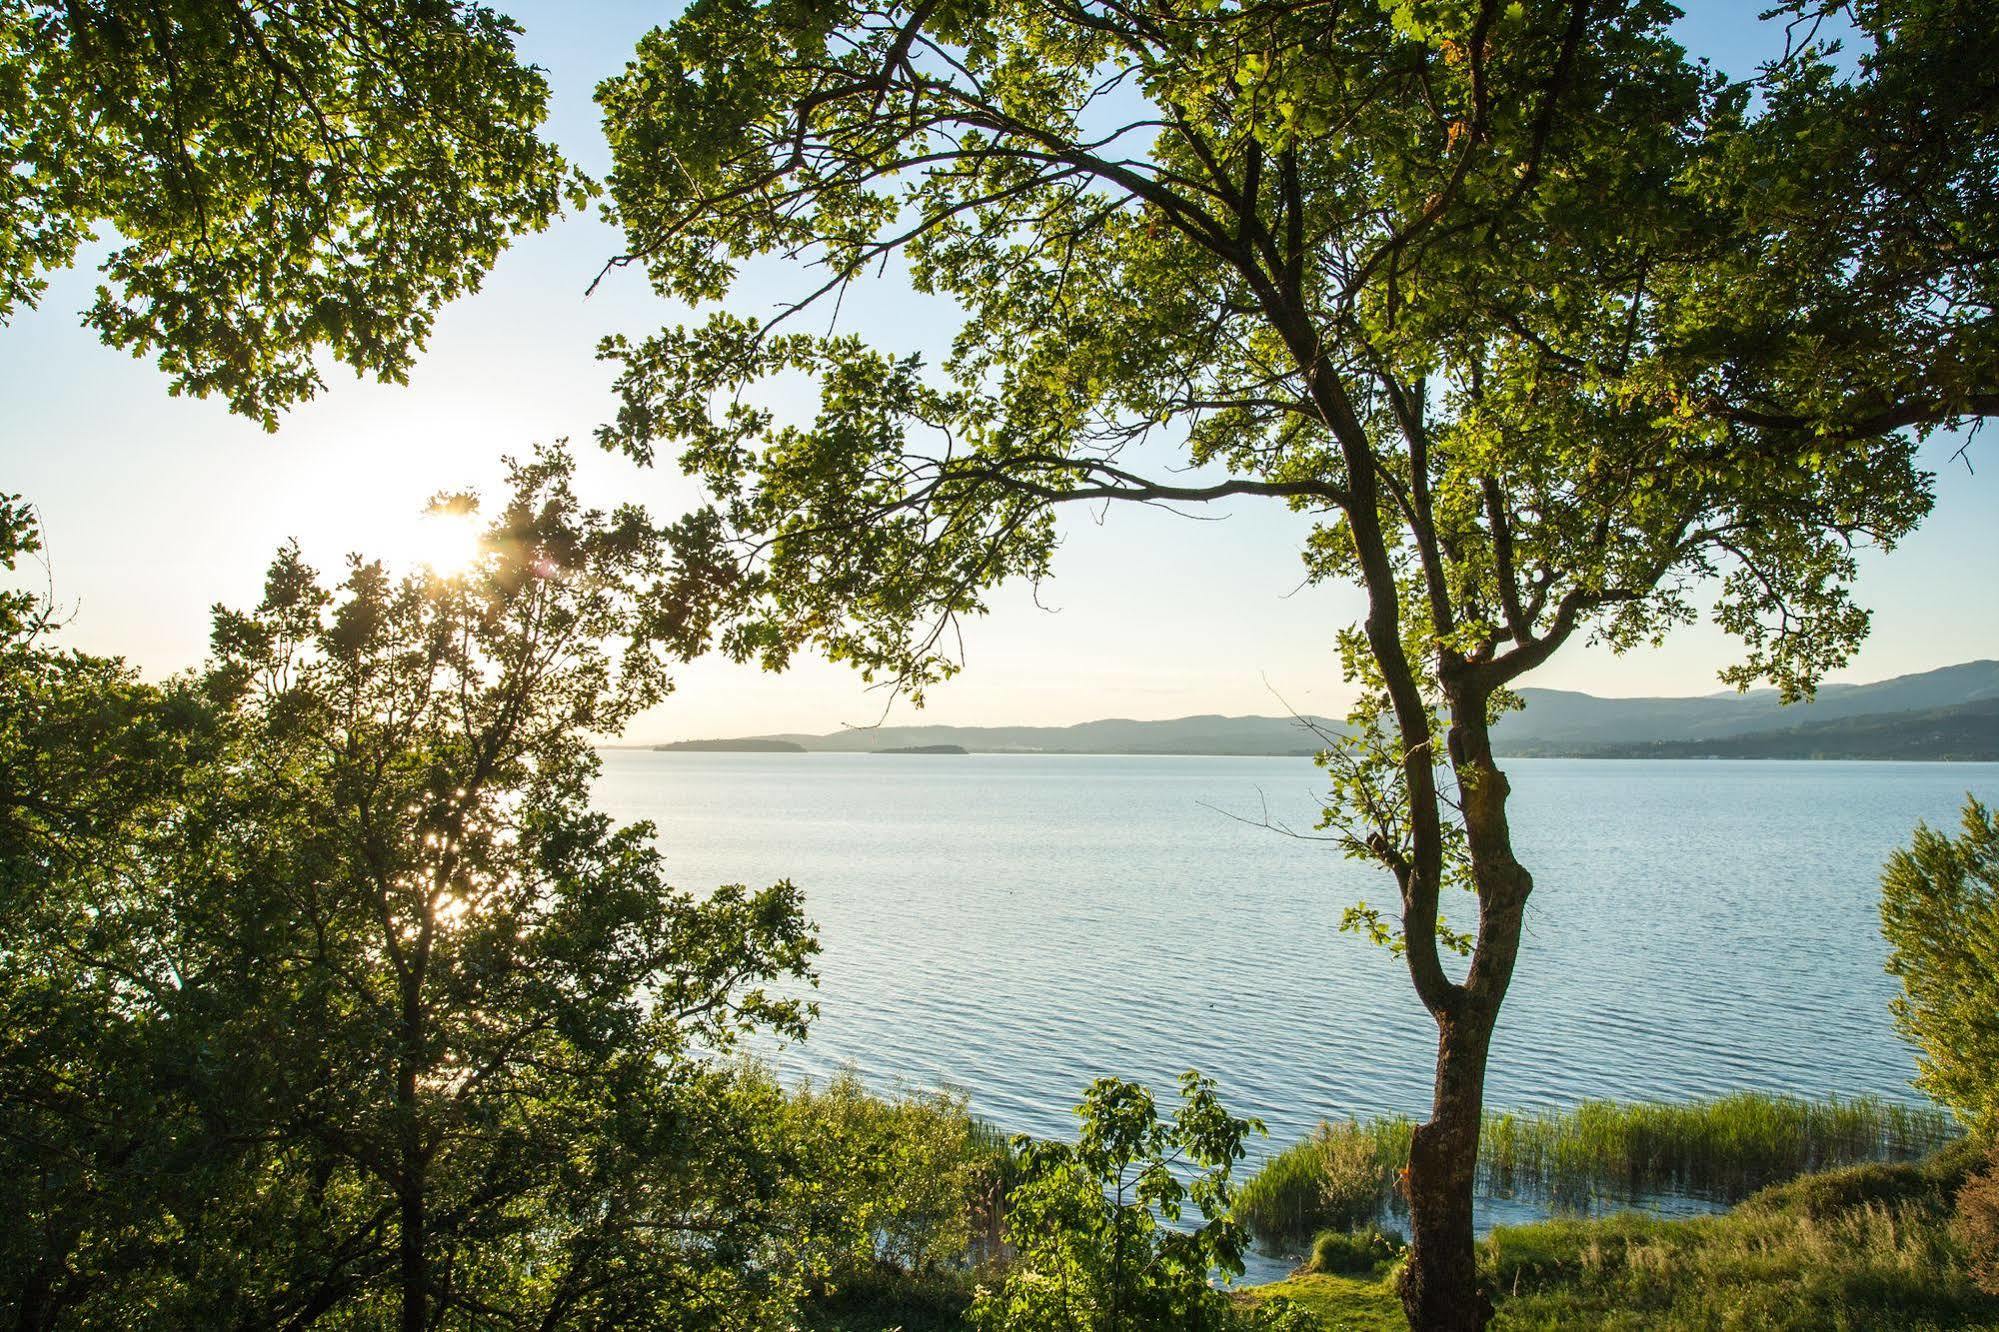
[158, 508]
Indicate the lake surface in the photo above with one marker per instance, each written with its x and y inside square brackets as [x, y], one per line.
[1016, 925]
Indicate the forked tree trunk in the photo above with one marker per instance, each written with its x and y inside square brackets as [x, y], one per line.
[1440, 1287]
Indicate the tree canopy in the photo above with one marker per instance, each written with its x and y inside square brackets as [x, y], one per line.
[1556, 333]
[273, 180]
[326, 997]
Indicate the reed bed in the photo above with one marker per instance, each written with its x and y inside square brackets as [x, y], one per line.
[1722, 1150]
[1344, 1175]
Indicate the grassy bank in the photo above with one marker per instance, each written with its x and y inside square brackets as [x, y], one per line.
[1857, 1249]
[1867, 1247]
[1344, 1174]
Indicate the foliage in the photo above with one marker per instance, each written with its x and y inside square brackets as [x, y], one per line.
[1100, 1228]
[1940, 913]
[1344, 1175]
[278, 178]
[1978, 1222]
[361, 1015]
[902, 1186]
[97, 1132]
[1365, 1252]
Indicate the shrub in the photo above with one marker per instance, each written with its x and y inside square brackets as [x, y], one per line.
[1364, 1252]
[1123, 1230]
[1978, 1224]
[893, 1186]
[1940, 913]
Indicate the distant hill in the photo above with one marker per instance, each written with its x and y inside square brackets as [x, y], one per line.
[1968, 732]
[751, 745]
[1558, 722]
[1949, 713]
[1182, 735]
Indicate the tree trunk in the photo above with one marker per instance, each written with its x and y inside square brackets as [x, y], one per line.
[415, 1272]
[1440, 1289]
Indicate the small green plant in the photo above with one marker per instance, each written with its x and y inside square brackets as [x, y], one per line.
[1366, 1252]
[1110, 1236]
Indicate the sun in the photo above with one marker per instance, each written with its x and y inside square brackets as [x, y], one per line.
[446, 540]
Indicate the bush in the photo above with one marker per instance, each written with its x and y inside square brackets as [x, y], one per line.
[1978, 1224]
[1940, 913]
[897, 1191]
[1366, 1252]
[1110, 1235]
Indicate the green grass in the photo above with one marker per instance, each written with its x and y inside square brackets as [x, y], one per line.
[1348, 1304]
[1343, 1176]
[1340, 1178]
[1859, 1249]
[1865, 1248]
[1723, 1149]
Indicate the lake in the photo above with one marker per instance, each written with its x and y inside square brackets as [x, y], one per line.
[1016, 925]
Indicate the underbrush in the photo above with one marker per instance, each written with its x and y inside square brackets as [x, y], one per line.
[1365, 1252]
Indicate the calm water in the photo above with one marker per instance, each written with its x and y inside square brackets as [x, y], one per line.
[1019, 925]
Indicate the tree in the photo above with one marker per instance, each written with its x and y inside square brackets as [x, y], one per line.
[94, 1143]
[1517, 302]
[1940, 913]
[403, 1031]
[1091, 1252]
[281, 178]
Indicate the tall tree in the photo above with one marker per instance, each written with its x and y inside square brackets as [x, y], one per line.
[1521, 305]
[279, 178]
[364, 1014]
[95, 1143]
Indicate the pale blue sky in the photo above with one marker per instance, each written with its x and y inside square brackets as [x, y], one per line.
[156, 507]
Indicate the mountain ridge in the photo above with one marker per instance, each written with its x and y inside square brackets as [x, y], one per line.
[1554, 723]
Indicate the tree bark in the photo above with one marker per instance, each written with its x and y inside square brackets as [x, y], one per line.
[1440, 1290]
[414, 1268]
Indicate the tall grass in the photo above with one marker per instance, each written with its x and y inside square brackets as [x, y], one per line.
[1722, 1150]
[1864, 1247]
[1344, 1175]
[1339, 1178]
